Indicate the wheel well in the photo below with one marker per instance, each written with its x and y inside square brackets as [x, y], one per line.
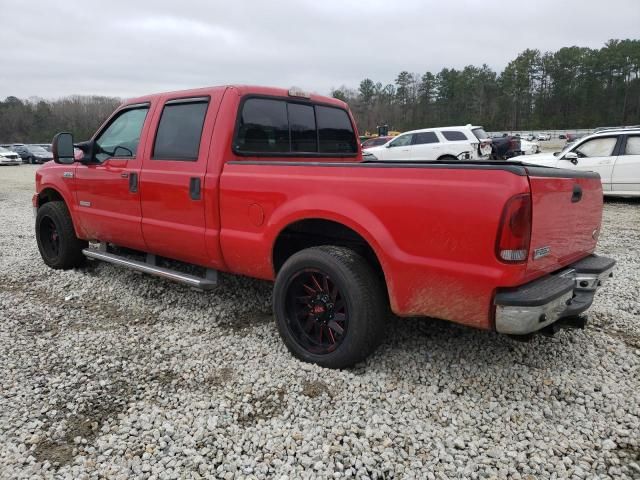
[315, 232]
[49, 195]
[447, 157]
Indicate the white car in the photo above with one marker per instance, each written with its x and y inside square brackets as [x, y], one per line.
[443, 143]
[614, 154]
[7, 157]
[528, 147]
[544, 136]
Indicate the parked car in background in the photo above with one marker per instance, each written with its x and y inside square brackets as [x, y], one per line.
[529, 147]
[614, 154]
[9, 157]
[511, 146]
[46, 146]
[544, 137]
[443, 143]
[376, 141]
[33, 154]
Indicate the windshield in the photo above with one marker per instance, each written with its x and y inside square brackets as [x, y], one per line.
[37, 149]
[5, 150]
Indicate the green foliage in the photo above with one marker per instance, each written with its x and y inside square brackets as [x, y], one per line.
[37, 120]
[574, 87]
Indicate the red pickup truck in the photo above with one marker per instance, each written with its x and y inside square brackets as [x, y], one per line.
[271, 184]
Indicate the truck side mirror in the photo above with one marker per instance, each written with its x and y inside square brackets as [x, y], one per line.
[62, 148]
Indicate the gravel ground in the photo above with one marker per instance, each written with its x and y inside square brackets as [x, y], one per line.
[107, 373]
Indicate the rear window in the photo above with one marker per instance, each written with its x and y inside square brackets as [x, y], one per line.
[270, 126]
[179, 131]
[335, 131]
[302, 122]
[480, 133]
[425, 137]
[453, 135]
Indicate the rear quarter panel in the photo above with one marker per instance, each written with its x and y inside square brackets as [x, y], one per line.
[433, 229]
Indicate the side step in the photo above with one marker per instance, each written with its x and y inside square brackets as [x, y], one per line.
[207, 283]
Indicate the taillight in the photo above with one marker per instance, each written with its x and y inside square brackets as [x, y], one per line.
[514, 233]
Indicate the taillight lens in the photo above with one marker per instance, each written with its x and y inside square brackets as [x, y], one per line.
[514, 234]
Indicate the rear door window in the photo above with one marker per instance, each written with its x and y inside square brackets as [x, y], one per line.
[454, 135]
[179, 130]
[425, 137]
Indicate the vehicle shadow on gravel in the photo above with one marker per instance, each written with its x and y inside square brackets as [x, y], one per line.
[440, 346]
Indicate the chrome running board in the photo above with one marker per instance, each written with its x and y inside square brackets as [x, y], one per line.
[207, 283]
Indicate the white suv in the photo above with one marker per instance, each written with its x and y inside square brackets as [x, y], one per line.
[442, 143]
[613, 153]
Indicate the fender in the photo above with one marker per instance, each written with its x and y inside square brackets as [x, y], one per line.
[51, 178]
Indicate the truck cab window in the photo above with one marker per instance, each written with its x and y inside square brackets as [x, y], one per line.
[335, 131]
[302, 122]
[179, 131]
[264, 127]
[120, 139]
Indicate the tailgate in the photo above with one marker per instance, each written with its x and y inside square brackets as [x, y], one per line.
[566, 216]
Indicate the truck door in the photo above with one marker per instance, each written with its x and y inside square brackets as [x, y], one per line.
[107, 190]
[596, 155]
[172, 180]
[626, 172]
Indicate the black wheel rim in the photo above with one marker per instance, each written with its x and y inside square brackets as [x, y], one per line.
[317, 311]
[49, 237]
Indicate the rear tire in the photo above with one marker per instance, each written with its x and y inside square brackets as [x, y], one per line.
[57, 242]
[330, 306]
[447, 158]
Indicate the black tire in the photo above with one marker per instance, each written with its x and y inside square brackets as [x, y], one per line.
[32, 160]
[352, 285]
[447, 158]
[59, 247]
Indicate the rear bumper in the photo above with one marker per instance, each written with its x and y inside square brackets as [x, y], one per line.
[538, 304]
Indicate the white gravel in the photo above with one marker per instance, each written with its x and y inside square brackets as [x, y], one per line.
[106, 373]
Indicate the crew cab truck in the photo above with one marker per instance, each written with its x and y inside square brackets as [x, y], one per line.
[271, 184]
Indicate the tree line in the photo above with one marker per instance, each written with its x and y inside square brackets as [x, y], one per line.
[574, 87]
[36, 120]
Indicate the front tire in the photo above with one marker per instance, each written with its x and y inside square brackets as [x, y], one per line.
[330, 306]
[57, 242]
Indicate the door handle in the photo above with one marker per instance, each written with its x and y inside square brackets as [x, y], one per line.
[133, 182]
[124, 174]
[194, 188]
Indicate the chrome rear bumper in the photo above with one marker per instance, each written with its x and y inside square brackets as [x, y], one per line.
[541, 303]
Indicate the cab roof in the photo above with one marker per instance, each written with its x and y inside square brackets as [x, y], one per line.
[243, 90]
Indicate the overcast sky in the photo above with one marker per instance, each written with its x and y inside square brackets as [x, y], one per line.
[125, 48]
